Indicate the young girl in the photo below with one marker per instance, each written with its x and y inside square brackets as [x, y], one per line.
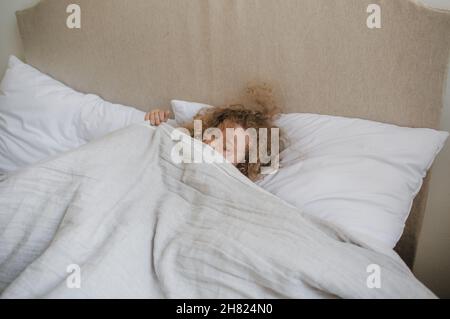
[257, 110]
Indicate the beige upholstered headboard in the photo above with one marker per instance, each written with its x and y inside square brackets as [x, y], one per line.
[319, 55]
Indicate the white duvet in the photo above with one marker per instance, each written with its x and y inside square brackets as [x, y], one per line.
[140, 226]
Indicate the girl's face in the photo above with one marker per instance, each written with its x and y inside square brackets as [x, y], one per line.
[231, 148]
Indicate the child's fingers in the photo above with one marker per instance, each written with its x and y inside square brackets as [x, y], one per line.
[161, 116]
[167, 114]
[152, 118]
[156, 117]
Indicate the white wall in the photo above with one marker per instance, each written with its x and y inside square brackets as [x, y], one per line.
[10, 42]
[433, 258]
[440, 4]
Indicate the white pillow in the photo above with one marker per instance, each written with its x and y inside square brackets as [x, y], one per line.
[360, 175]
[185, 111]
[40, 117]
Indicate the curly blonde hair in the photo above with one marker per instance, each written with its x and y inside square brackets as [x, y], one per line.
[256, 109]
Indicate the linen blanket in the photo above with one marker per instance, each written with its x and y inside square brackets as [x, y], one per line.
[131, 223]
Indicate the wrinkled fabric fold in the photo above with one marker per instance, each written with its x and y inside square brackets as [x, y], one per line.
[139, 225]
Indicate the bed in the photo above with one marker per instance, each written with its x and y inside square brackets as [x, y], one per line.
[318, 55]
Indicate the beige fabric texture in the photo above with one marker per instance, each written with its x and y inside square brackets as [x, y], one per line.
[318, 55]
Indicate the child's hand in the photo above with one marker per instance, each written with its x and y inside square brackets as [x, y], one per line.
[157, 117]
